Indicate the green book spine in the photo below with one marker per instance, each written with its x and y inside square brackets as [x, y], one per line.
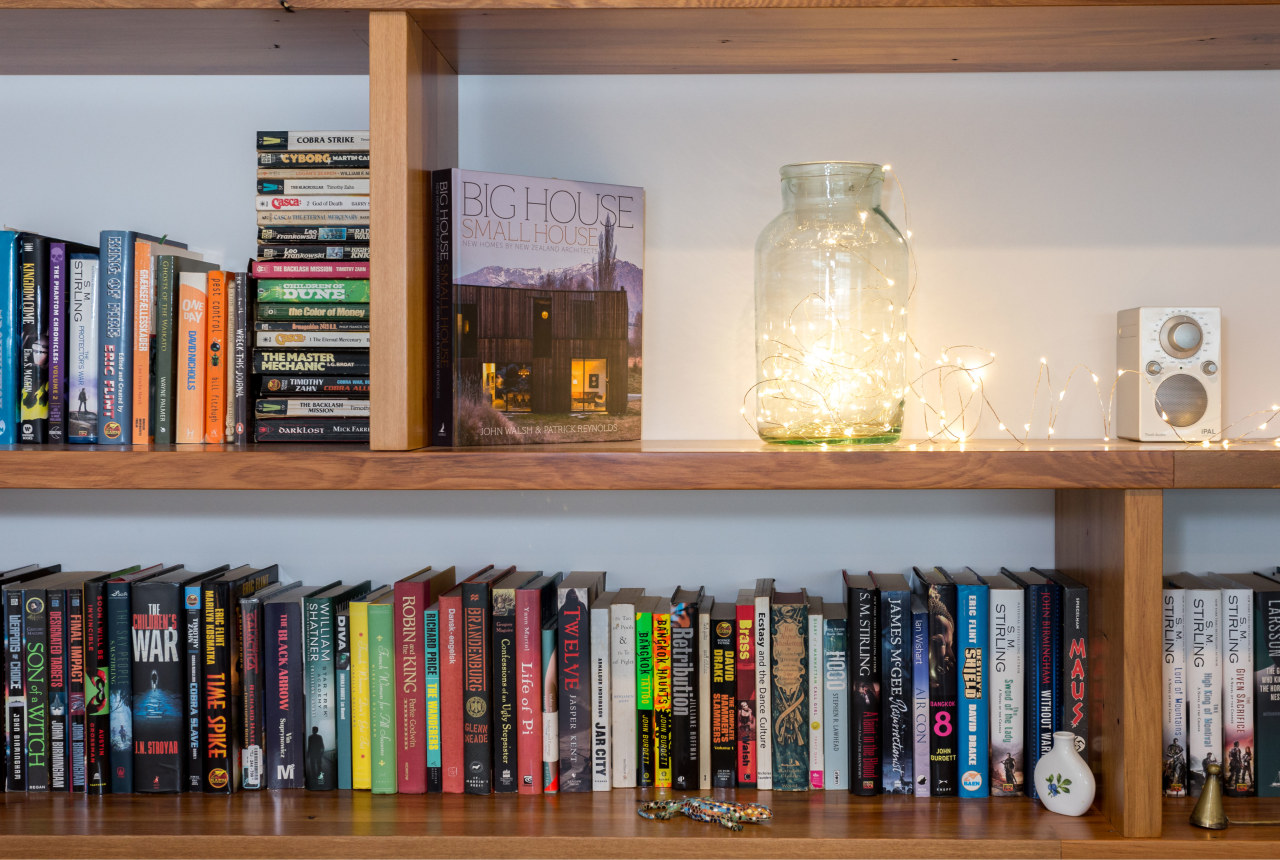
[268, 312]
[163, 403]
[342, 675]
[644, 699]
[312, 292]
[789, 652]
[382, 699]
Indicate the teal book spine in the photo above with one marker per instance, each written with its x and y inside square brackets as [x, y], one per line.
[342, 677]
[431, 664]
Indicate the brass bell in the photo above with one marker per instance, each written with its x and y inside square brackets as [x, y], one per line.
[1209, 813]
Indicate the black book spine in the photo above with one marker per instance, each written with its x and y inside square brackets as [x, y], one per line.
[33, 280]
[357, 160]
[35, 645]
[253, 727]
[477, 714]
[75, 688]
[684, 697]
[311, 362]
[574, 690]
[59, 749]
[865, 712]
[895, 691]
[193, 627]
[944, 747]
[442, 322]
[1075, 664]
[15, 693]
[159, 685]
[1266, 703]
[120, 675]
[97, 691]
[282, 668]
[1044, 625]
[505, 758]
[724, 691]
[215, 690]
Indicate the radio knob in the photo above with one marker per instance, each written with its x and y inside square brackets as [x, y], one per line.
[1181, 337]
[1186, 335]
[1153, 368]
[1209, 368]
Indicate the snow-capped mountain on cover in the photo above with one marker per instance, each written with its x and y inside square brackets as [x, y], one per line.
[579, 278]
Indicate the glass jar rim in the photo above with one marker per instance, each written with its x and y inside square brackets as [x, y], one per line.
[806, 169]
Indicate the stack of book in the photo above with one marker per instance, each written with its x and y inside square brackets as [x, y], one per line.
[311, 338]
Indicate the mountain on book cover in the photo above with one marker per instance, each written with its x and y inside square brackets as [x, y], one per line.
[538, 309]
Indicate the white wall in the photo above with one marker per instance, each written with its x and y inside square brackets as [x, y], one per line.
[1041, 204]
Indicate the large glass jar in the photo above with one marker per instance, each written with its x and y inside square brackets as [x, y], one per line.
[831, 311]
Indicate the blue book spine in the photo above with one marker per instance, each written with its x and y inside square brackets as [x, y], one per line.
[115, 336]
[342, 677]
[192, 661]
[897, 759]
[973, 602]
[431, 665]
[920, 695]
[9, 331]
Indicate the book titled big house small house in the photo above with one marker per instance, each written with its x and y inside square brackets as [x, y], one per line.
[537, 308]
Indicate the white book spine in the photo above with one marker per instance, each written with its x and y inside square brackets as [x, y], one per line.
[816, 625]
[82, 335]
[601, 699]
[1007, 691]
[1204, 661]
[1237, 691]
[704, 701]
[286, 203]
[764, 697]
[835, 671]
[1174, 679]
[622, 617]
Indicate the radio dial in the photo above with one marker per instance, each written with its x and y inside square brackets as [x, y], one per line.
[1180, 336]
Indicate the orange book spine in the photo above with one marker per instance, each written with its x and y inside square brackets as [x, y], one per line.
[192, 331]
[143, 310]
[215, 377]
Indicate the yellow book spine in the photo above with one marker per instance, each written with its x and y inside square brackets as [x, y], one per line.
[361, 722]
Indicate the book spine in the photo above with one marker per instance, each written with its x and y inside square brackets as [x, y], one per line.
[310, 268]
[943, 674]
[897, 773]
[240, 363]
[382, 698]
[75, 689]
[1266, 665]
[684, 706]
[1075, 665]
[273, 252]
[97, 693]
[119, 653]
[452, 758]
[601, 701]
[529, 711]
[920, 686]
[975, 718]
[704, 699]
[411, 698]
[505, 754]
[817, 748]
[192, 334]
[59, 751]
[215, 359]
[745, 670]
[329, 141]
[789, 653]
[193, 641]
[313, 291]
[57, 356]
[622, 717]
[442, 348]
[282, 664]
[143, 286]
[312, 202]
[347, 160]
[312, 429]
[835, 685]
[115, 335]
[15, 692]
[574, 683]
[342, 700]
[215, 685]
[550, 711]
[320, 760]
[724, 710]
[35, 649]
[361, 717]
[286, 312]
[1174, 685]
[1007, 692]
[10, 337]
[312, 234]
[313, 186]
[431, 681]
[311, 361]
[1043, 629]
[166, 280]
[253, 727]
[82, 350]
[159, 685]
[1204, 660]
[477, 717]
[235, 324]
[1237, 693]
[644, 700]
[33, 409]
[662, 727]
[865, 715]
[764, 719]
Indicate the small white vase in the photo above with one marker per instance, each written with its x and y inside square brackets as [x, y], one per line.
[1063, 781]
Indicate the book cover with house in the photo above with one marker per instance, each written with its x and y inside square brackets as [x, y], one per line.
[537, 310]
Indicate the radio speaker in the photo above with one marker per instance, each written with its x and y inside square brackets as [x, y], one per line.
[1171, 386]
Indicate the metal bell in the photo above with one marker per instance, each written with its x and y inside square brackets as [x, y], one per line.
[1209, 812]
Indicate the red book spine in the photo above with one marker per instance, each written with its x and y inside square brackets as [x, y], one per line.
[529, 710]
[745, 652]
[411, 696]
[451, 691]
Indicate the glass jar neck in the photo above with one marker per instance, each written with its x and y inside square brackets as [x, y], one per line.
[832, 185]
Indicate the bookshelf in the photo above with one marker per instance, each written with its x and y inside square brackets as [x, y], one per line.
[1109, 498]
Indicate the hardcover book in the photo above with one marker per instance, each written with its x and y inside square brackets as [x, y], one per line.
[382, 696]
[763, 624]
[1075, 657]
[574, 597]
[10, 337]
[75, 688]
[817, 627]
[865, 714]
[361, 692]
[535, 608]
[745, 654]
[601, 668]
[413, 594]
[342, 686]
[974, 606]
[477, 680]
[1044, 666]
[536, 310]
[623, 674]
[319, 657]
[1007, 686]
[1174, 685]
[1238, 740]
[789, 680]
[684, 689]
[897, 771]
[506, 680]
[835, 691]
[550, 707]
[253, 729]
[1266, 668]
[724, 696]
[431, 681]
[921, 736]
[16, 700]
[939, 595]
[1204, 675]
[59, 753]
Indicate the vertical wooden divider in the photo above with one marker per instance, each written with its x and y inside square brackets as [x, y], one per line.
[413, 128]
[1112, 540]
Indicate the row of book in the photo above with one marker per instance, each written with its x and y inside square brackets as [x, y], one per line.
[164, 679]
[1221, 682]
[314, 275]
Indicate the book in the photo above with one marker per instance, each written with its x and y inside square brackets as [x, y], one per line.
[56, 430]
[865, 712]
[897, 773]
[313, 291]
[1238, 739]
[319, 661]
[313, 340]
[973, 605]
[312, 202]
[146, 254]
[342, 685]
[328, 185]
[274, 252]
[744, 633]
[33, 279]
[452, 759]
[835, 691]
[312, 173]
[623, 677]
[191, 347]
[477, 680]
[215, 359]
[14, 610]
[1204, 675]
[309, 269]
[332, 429]
[574, 597]
[645, 731]
[660, 615]
[789, 655]
[431, 685]
[939, 595]
[346, 160]
[10, 339]
[361, 693]
[328, 141]
[284, 707]
[764, 699]
[922, 737]
[1043, 668]
[382, 701]
[35, 684]
[724, 696]
[59, 751]
[333, 386]
[285, 311]
[1266, 668]
[413, 594]
[550, 706]
[82, 348]
[705, 606]
[817, 749]
[535, 608]
[684, 689]
[287, 326]
[1075, 657]
[97, 702]
[238, 388]
[303, 233]
[253, 730]
[311, 362]
[1173, 648]
[574, 254]
[75, 690]
[1008, 647]
[168, 318]
[296, 407]
[600, 667]
[505, 693]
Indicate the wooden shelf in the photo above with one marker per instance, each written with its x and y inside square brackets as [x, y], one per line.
[1180, 840]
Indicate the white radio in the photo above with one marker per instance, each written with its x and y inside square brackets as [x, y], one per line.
[1170, 388]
